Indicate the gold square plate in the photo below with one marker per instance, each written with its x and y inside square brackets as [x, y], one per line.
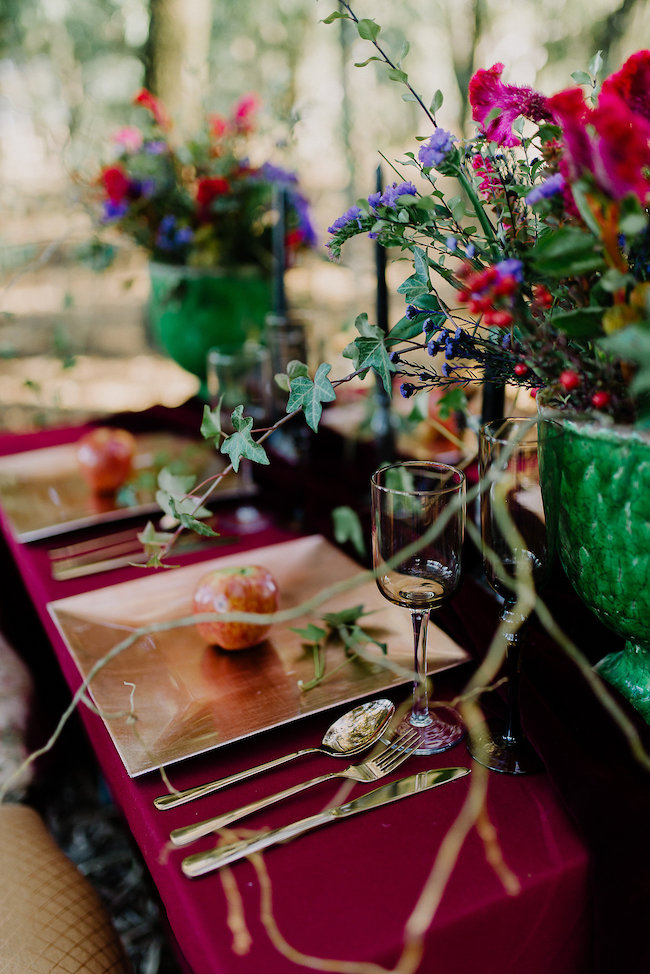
[43, 493]
[188, 697]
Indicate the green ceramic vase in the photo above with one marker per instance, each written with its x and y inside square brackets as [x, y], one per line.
[602, 493]
[192, 310]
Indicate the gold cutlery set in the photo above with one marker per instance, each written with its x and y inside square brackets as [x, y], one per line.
[373, 718]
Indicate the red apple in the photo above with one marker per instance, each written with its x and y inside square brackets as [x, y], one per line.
[248, 588]
[105, 457]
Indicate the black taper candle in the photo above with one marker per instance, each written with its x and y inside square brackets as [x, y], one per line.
[279, 250]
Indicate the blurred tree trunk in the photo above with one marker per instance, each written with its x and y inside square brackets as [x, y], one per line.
[178, 58]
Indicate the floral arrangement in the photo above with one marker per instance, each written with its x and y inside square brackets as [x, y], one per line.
[534, 267]
[200, 203]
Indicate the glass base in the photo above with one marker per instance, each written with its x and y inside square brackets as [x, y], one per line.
[445, 730]
[488, 746]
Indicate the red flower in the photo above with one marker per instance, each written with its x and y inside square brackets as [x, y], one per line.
[153, 105]
[115, 182]
[632, 83]
[208, 189]
[487, 92]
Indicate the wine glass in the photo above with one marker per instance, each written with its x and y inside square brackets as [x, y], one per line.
[515, 542]
[418, 523]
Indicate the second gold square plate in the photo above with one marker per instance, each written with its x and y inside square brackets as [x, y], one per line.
[188, 697]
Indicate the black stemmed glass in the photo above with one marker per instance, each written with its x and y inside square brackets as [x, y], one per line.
[418, 523]
[515, 541]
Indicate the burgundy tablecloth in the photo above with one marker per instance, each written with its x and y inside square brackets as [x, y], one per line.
[345, 892]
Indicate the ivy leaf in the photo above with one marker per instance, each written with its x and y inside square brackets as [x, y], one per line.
[211, 423]
[355, 637]
[369, 351]
[345, 617]
[454, 400]
[566, 252]
[368, 29]
[347, 527]
[310, 395]
[174, 483]
[191, 521]
[310, 633]
[241, 444]
[362, 64]
[152, 539]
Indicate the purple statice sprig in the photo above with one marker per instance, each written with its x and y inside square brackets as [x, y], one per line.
[378, 216]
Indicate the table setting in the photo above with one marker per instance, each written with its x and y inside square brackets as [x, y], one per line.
[272, 617]
[161, 734]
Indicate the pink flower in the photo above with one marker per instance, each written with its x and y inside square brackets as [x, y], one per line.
[129, 137]
[243, 111]
[218, 126]
[632, 83]
[487, 92]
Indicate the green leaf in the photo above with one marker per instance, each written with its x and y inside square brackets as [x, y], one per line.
[345, 617]
[596, 64]
[368, 29]
[310, 633]
[453, 400]
[581, 77]
[309, 396]
[191, 522]
[632, 344]
[173, 483]
[421, 265]
[579, 323]
[395, 74]
[437, 101]
[613, 280]
[347, 527]
[150, 538]
[337, 15]
[403, 330]
[211, 423]
[369, 352]
[362, 64]
[633, 224]
[566, 252]
[240, 444]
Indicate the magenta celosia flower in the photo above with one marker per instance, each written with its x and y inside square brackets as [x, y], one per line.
[487, 92]
[632, 83]
[611, 142]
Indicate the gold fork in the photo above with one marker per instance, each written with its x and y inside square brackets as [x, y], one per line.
[370, 770]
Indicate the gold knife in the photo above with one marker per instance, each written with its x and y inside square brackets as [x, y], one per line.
[204, 862]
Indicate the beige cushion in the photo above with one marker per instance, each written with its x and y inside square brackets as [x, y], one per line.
[51, 919]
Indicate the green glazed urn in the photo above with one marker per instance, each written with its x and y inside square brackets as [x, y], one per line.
[193, 310]
[601, 493]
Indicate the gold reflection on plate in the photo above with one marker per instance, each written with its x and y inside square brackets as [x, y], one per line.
[187, 697]
[43, 493]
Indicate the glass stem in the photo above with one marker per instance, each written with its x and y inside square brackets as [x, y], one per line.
[420, 710]
[513, 733]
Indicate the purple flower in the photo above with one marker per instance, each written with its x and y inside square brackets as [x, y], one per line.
[554, 184]
[510, 268]
[353, 215]
[172, 237]
[391, 193]
[436, 150]
[470, 250]
[114, 211]
[407, 389]
[451, 243]
[374, 200]
[156, 148]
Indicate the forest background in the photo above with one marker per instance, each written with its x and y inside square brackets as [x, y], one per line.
[74, 341]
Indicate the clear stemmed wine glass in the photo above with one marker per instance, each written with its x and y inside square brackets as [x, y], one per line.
[418, 523]
[515, 540]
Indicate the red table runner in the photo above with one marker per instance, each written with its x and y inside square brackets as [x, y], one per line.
[344, 892]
